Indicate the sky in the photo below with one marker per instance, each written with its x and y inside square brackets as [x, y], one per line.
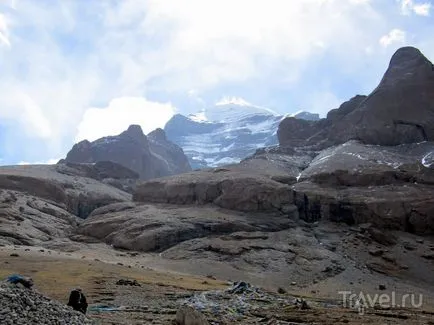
[82, 69]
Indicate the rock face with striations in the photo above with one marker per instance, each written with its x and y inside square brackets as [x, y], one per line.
[373, 156]
[44, 203]
[150, 157]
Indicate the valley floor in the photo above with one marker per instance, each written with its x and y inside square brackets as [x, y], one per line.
[96, 268]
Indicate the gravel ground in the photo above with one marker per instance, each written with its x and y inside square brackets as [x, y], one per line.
[21, 306]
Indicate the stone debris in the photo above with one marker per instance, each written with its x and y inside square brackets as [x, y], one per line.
[21, 306]
[126, 282]
[239, 302]
[187, 315]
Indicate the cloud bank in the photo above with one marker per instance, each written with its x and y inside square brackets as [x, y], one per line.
[84, 69]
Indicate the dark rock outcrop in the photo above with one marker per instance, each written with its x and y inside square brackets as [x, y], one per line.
[338, 114]
[107, 172]
[174, 156]
[400, 110]
[149, 158]
[294, 132]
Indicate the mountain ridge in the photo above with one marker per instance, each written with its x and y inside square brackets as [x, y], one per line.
[150, 156]
[227, 132]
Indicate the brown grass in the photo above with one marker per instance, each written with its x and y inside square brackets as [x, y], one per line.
[56, 276]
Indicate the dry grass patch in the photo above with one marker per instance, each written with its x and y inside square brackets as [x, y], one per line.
[56, 276]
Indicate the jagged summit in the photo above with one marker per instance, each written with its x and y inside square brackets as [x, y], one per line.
[408, 56]
[408, 63]
[135, 133]
[150, 158]
[158, 135]
[134, 130]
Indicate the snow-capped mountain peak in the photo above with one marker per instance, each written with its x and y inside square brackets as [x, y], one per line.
[226, 132]
[233, 101]
[231, 109]
[198, 117]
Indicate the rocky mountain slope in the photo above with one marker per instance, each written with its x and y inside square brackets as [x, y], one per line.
[226, 133]
[384, 188]
[149, 156]
[42, 203]
[354, 180]
[316, 213]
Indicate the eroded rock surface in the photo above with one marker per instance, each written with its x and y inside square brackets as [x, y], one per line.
[226, 188]
[40, 204]
[158, 227]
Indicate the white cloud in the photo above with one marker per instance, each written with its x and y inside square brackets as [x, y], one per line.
[410, 6]
[64, 61]
[422, 9]
[394, 36]
[4, 31]
[18, 105]
[322, 102]
[52, 161]
[121, 113]
[233, 41]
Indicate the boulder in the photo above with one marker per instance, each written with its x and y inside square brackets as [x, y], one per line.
[187, 315]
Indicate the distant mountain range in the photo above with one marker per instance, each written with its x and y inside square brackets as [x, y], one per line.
[227, 132]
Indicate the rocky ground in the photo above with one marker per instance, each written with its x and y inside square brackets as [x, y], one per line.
[134, 293]
[26, 306]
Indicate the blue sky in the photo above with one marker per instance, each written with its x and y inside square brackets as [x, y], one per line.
[74, 69]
